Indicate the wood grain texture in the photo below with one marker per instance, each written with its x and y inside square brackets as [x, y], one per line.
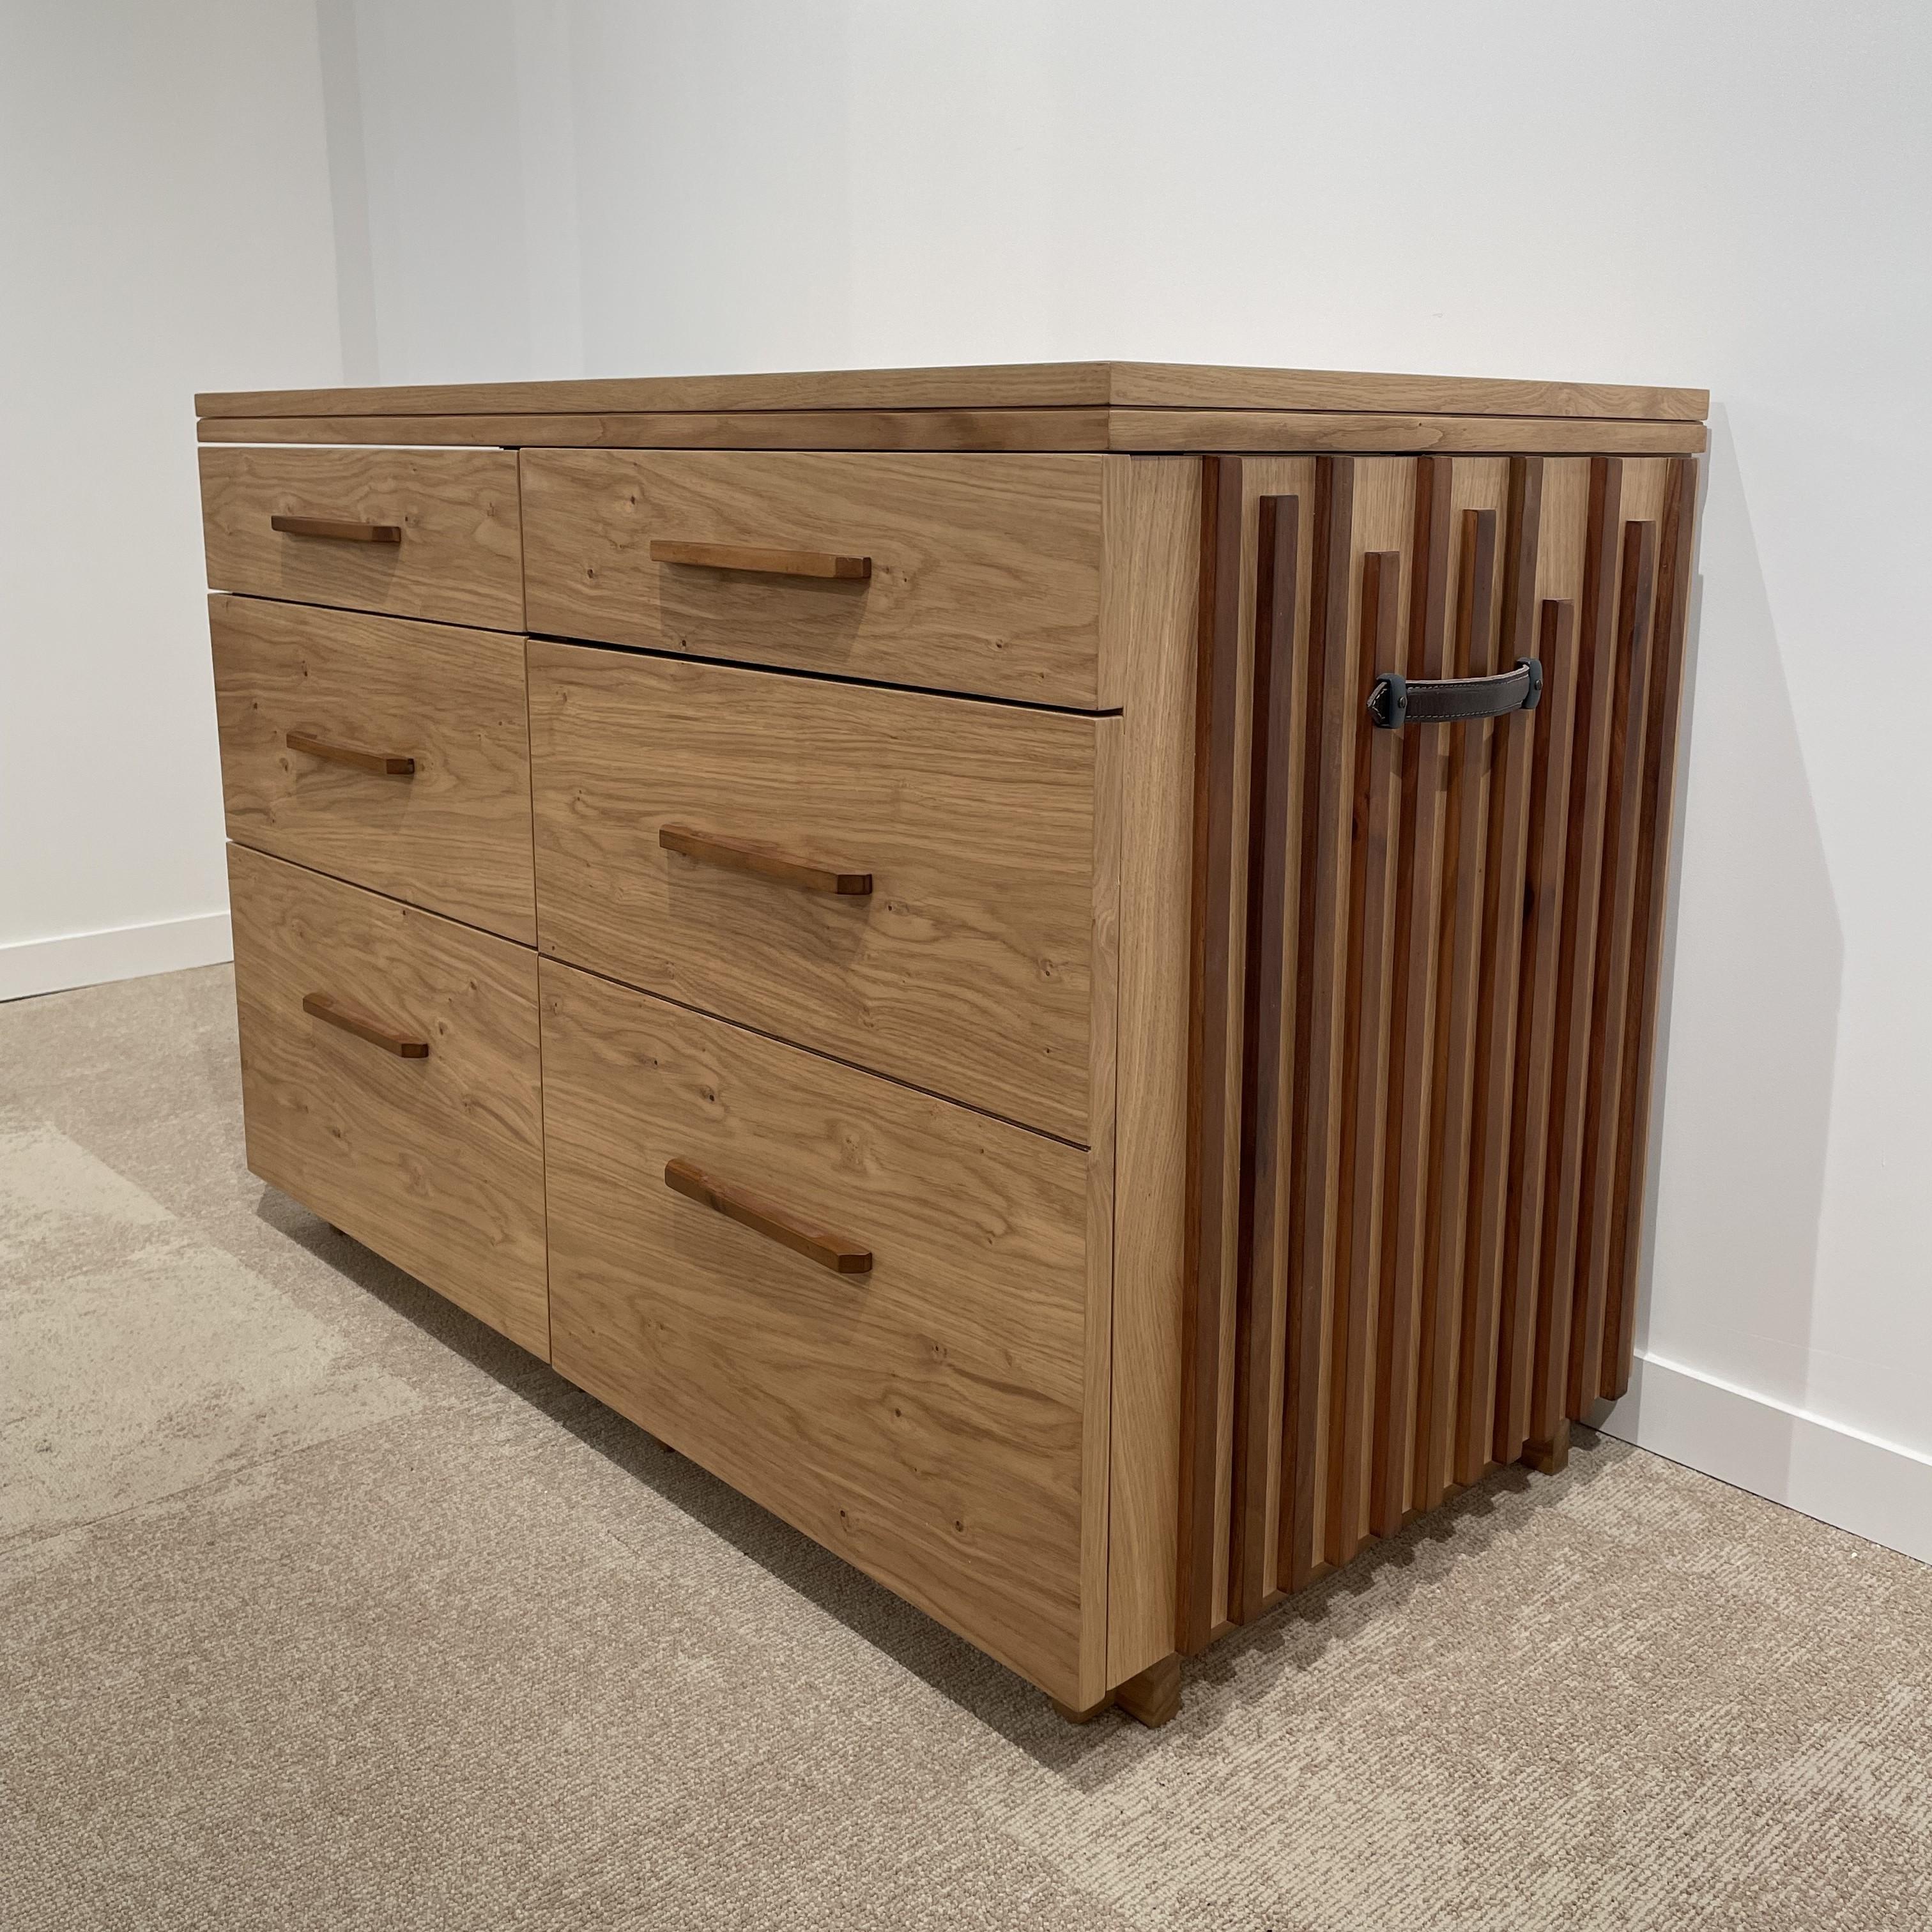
[1466, 1417]
[435, 1162]
[1335, 721]
[1123, 430]
[784, 1226]
[1374, 854]
[1213, 1078]
[1017, 429]
[383, 764]
[1427, 756]
[924, 1421]
[986, 571]
[325, 1006]
[459, 559]
[1606, 593]
[766, 862]
[1110, 792]
[968, 970]
[761, 562]
[1282, 430]
[1157, 730]
[1623, 785]
[1276, 755]
[1030, 385]
[1675, 568]
[1571, 513]
[455, 838]
[335, 531]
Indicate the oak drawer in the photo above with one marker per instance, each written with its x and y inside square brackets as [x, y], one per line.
[981, 573]
[407, 1110]
[968, 965]
[391, 753]
[922, 1418]
[414, 533]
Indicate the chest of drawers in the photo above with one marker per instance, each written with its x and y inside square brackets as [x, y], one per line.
[930, 936]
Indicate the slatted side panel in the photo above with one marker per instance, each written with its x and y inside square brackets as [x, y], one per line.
[1453, 951]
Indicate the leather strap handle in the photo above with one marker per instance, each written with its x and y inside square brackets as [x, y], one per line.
[740, 855]
[323, 1006]
[767, 1218]
[385, 763]
[1395, 701]
[765, 562]
[336, 532]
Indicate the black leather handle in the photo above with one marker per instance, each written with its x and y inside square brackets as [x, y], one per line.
[1395, 701]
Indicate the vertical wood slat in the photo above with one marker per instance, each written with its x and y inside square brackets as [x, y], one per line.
[1265, 1316]
[1460, 1451]
[1335, 719]
[1581, 877]
[1455, 1039]
[1374, 853]
[1623, 805]
[1457, 926]
[1203, 1269]
[1675, 565]
[1412, 1047]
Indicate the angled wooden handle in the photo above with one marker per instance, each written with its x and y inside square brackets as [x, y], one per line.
[740, 855]
[768, 1218]
[383, 762]
[325, 1008]
[769, 562]
[336, 532]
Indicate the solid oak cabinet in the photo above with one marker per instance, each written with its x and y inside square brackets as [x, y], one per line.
[1052, 970]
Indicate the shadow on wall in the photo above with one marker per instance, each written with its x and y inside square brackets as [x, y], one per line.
[1749, 1023]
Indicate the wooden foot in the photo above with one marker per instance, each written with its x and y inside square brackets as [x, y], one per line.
[1085, 1717]
[1548, 1458]
[1153, 1697]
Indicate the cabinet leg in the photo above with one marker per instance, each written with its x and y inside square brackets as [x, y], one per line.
[1153, 1697]
[1085, 1717]
[1548, 1458]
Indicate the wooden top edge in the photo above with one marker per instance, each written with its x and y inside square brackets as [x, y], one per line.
[1009, 386]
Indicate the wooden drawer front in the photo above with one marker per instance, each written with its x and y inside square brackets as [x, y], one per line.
[455, 554]
[984, 570]
[969, 967]
[435, 1160]
[321, 711]
[922, 1419]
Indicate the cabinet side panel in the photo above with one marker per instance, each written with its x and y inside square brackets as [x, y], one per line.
[1151, 1152]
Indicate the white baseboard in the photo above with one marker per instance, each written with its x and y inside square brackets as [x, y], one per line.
[31, 966]
[1877, 1489]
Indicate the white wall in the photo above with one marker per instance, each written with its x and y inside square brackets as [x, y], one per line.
[165, 226]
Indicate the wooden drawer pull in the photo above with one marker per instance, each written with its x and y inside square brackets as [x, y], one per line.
[347, 754]
[766, 1218]
[324, 1008]
[337, 532]
[740, 855]
[769, 562]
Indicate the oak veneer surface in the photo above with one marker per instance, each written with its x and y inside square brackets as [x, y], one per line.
[925, 1421]
[1035, 386]
[454, 836]
[1144, 430]
[436, 1162]
[459, 559]
[986, 571]
[967, 970]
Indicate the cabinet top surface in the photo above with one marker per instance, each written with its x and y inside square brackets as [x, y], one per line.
[1017, 385]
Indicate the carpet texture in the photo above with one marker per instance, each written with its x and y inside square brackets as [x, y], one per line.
[320, 1606]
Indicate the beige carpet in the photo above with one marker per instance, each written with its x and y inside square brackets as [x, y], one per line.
[320, 1606]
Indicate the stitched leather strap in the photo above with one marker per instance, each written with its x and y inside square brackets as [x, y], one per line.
[1395, 701]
